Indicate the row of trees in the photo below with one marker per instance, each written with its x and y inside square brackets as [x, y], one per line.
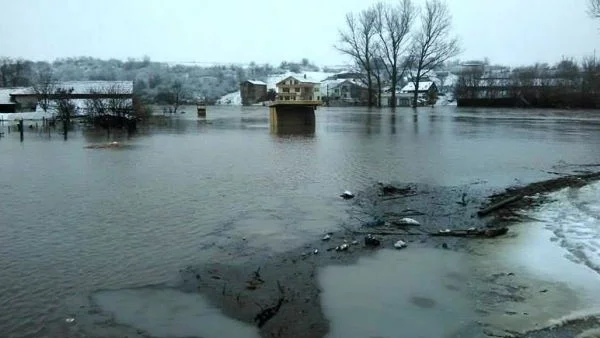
[388, 41]
[567, 83]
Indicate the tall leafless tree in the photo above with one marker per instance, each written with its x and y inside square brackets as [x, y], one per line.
[432, 45]
[44, 86]
[176, 96]
[65, 107]
[358, 41]
[393, 27]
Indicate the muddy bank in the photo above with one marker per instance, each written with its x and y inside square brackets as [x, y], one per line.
[285, 287]
[281, 295]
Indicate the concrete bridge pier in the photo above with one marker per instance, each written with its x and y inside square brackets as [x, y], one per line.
[293, 116]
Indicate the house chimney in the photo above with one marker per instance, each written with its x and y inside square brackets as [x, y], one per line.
[304, 76]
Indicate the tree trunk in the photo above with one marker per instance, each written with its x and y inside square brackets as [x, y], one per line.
[394, 85]
[416, 94]
[379, 90]
[370, 85]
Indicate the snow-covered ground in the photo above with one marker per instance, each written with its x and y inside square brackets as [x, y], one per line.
[37, 115]
[235, 98]
[574, 218]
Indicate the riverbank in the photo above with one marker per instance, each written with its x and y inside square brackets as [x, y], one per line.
[326, 288]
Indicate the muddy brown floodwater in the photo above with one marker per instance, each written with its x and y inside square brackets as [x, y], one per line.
[165, 234]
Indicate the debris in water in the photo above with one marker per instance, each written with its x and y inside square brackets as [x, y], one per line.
[487, 233]
[371, 241]
[374, 223]
[342, 247]
[408, 221]
[354, 242]
[70, 320]
[316, 251]
[347, 195]
[400, 244]
[327, 237]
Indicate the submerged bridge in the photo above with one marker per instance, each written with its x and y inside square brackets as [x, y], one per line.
[288, 114]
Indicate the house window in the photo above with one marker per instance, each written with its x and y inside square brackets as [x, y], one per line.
[318, 98]
[297, 90]
[316, 89]
[286, 90]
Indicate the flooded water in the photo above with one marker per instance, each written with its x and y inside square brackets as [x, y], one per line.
[171, 313]
[77, 220]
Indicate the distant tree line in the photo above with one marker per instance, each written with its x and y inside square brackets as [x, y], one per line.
[154, 82]
[565, 84]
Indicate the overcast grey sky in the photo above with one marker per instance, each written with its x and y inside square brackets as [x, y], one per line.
[507, 31]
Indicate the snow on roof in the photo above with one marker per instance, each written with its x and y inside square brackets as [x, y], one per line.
[301, 79]
[84, 87]
[24, 116]
[423, 86]
[5, 95]
[81, 106]
[256, 82]
[331, 84]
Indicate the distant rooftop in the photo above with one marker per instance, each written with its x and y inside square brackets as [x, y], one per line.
[423, 86]
[256, 82]
[5, 94]
[83, 87]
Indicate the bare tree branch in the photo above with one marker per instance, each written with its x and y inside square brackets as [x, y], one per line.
[358, 42]
[432, 45]
[43, 86]
[393, 25]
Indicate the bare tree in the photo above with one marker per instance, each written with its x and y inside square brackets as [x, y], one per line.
[393, 25]
[119, 102]
[358, 41]
[432, 44]
[378, 71]
[594, 9]
[44, 86]
[176, 96]
[65, 108]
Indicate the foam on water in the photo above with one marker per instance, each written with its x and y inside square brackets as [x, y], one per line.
[574, 218]
[164, 312]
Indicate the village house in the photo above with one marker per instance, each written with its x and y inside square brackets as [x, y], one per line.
[298, 89]
[427, 93]
[346, 92]
[402, 99]
[253, 91]
[26, 99]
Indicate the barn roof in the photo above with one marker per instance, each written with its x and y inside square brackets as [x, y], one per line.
[83, 87]
[423, 86]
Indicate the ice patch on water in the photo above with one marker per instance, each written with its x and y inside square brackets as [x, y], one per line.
[593, 333]
[164, 312]
[578, 315]
[574, 217]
